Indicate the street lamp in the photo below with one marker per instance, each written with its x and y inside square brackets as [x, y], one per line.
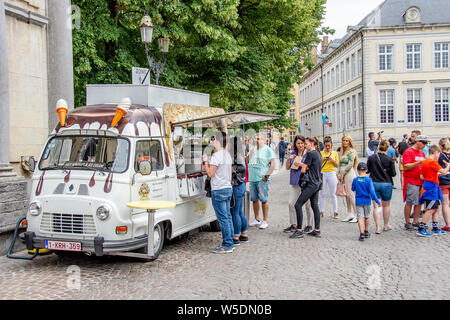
[147, 27]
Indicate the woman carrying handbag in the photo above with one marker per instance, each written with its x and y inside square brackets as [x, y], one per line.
[293, 163]
[348, 160]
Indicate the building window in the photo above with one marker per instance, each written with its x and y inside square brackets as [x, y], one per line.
[354, 110]
[337, 76]
[338, 115]
[414, 105]
[292, 102]
[349, 114]
[347, 69]
[343, 113]
[292, 114]
[325, 83]
[359, 62]
[361, 112]
[385, 57]
[413, 53]
[441, 55]
[291, 136]
[353, 66]
[342, 73]
[333, 80]
[333, 117]
[441, 106]
[328, 81]
[386, 106]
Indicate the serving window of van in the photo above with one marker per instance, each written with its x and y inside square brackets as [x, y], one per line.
[149, 150]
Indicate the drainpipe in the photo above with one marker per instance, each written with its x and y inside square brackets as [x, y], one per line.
[362, 94]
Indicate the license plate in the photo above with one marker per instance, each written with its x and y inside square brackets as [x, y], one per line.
[62, 245]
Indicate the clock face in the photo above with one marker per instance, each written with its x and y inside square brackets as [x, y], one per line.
[413, 14]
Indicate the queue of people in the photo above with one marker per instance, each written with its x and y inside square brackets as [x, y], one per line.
[328, 174]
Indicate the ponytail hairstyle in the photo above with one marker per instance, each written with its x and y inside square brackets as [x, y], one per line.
[383, 146]
[327, 139]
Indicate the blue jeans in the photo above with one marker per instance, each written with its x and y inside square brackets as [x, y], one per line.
[221, 204]
[383, 190]
[239, 221]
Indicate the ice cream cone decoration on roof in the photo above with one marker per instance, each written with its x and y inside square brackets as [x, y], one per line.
[121, 110]
[61, 108]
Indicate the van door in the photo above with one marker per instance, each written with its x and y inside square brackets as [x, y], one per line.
[151, 150]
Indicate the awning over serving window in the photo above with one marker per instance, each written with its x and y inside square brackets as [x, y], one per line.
[229, 120]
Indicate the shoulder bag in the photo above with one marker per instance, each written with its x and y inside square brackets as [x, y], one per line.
[384, 169]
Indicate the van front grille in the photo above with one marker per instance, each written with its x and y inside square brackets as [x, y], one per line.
[68, 223]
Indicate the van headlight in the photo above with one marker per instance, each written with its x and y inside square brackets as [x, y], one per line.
[35, 208]
[103, 212]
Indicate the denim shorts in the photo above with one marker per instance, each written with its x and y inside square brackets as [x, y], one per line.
[383, 190]
[259, 191]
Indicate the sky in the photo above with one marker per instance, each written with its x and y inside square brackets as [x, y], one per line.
[343, 13]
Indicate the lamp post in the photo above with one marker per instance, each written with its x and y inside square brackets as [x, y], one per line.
[147, 27]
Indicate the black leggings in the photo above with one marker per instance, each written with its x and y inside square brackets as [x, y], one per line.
[308, 193]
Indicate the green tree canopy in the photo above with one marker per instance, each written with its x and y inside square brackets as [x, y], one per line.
[246, 54]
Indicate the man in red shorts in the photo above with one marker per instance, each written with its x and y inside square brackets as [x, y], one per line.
[412, 166]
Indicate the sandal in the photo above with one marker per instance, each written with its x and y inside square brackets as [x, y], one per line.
[387, 229]
[336, 215]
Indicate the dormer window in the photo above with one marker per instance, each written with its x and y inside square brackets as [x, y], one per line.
[412, 15]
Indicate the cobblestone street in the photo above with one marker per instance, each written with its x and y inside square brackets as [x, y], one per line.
[394, 265]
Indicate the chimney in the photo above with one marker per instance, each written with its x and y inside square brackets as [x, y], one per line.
[350, 30]
[324, 44]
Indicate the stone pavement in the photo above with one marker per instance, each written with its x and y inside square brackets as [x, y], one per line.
[394, 265]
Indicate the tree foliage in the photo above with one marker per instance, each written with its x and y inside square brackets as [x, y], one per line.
[246, 54]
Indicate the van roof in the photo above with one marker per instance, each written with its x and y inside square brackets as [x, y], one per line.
[138, 121]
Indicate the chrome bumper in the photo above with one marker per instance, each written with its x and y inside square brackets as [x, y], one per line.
[98, 245]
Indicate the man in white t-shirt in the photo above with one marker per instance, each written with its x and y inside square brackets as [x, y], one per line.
[219, 170]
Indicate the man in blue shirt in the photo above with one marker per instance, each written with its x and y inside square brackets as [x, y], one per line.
[282, 145]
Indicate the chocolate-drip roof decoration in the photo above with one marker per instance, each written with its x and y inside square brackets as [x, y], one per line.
[139, 120]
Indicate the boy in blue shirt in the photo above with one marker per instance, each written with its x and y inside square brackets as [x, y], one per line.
[364, 193]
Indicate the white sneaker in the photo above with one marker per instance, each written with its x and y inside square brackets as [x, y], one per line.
[254, 223]
[263, 225]
[353, 220]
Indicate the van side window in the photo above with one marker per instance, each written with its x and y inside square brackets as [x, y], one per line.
[149, 150]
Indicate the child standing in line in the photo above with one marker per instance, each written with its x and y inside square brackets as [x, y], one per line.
[364, 193]
[431, 193]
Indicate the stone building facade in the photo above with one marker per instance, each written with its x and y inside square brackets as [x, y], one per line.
[389, 73]
[36, 69]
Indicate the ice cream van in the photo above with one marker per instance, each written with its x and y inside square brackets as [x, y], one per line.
[127, 144]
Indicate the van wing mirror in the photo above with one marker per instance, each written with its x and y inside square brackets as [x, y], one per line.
[28, 163]
[145, 167]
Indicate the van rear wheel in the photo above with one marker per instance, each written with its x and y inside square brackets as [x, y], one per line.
[215, 226]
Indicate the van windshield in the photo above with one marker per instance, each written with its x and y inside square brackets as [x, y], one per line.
[86, 153]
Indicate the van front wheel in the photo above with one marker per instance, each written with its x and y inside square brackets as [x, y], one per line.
[158, 239]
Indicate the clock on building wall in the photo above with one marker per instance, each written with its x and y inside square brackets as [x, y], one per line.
[412, 15]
